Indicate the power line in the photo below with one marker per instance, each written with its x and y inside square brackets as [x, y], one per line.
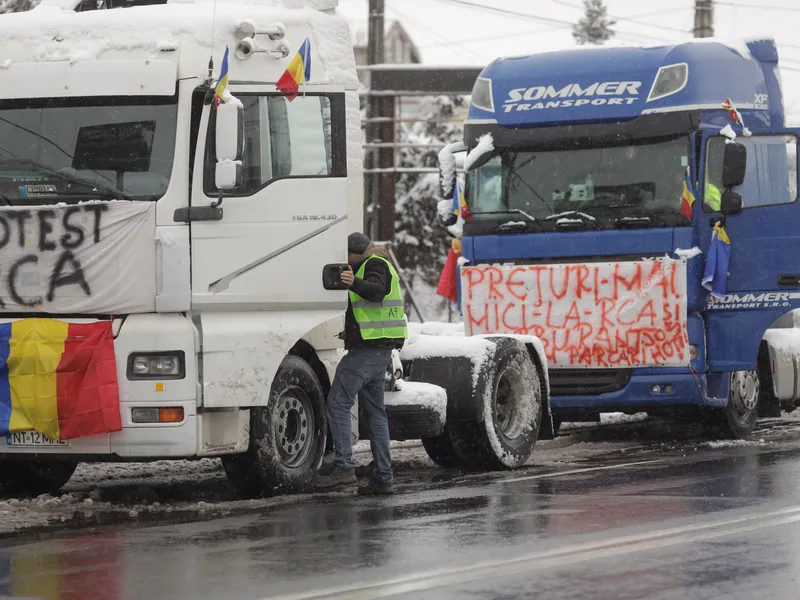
[764, 6]
[491, 38]
[455, 45]
[633, 19]
[508, 13]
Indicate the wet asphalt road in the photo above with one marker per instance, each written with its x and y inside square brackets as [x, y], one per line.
[711, 523]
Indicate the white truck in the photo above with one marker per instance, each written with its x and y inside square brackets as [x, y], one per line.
[211, 237]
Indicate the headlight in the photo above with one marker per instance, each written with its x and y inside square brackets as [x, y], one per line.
[156, 365]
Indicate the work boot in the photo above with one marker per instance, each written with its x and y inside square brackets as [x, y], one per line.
[365, 471]
[337, 478]
[376, 488]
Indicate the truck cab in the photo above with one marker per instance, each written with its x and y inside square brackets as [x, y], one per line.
[177, 184]
[120, 203]
[595, 181]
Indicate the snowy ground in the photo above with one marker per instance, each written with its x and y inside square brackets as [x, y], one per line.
[176, 491]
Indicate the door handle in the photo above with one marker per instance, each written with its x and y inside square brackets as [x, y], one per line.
[789, 281]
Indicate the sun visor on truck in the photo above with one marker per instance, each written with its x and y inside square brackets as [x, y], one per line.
[619, 83]
[117, 147]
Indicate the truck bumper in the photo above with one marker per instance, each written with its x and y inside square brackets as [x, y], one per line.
[203, 434]
[200, 433]
[641, 392]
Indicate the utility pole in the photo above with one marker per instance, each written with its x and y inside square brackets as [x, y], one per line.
[703, 18]
[372, 191]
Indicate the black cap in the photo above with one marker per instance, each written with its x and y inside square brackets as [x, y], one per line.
[357, 243]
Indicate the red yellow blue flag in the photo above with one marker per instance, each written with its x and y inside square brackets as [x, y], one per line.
[222, 81]
[687, 199]
[460, 207]
[58, 378]
[297, 73]
[718, 258]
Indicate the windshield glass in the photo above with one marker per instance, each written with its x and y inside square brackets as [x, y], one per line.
[71, 150]
[612, 187]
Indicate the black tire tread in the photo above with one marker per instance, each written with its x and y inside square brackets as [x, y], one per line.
[257, 473]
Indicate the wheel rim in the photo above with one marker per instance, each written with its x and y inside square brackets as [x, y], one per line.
[509, 395]
[293, 427]
[744, 391]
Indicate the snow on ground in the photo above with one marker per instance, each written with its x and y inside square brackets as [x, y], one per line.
[175, 491]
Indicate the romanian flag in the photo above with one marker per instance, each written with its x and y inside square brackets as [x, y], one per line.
[687, 199]
[298, 71]
[222, 82]
[460, 207]
[58, 378]
[717, 260]
[448, 281]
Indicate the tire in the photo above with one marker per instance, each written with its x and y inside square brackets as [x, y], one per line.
[287, 437]
[738, 419]
[32, 477]
[440, 450]
[511, 400]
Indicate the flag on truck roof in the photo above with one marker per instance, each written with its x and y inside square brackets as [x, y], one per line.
[298, 72]
[687, 199]
[58, 378]
[717, 261]
[222, 82]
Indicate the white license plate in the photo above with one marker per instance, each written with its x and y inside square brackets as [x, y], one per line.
[32, 438]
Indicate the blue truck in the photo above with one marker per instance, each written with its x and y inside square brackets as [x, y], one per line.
[609, 191]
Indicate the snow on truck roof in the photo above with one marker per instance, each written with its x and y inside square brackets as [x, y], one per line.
[169, 41]
[618, 82]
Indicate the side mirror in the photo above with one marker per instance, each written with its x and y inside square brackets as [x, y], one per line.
[228, 174]
[449, 220]
[731, 203]
[229, 145]
[447, 168]
[734, 165]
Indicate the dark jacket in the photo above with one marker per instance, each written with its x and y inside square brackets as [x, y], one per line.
[375, 285]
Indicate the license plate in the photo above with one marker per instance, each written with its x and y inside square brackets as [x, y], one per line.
[32, 438]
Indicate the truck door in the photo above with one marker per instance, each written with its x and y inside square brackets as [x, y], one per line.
[764, 270]
[257, 268]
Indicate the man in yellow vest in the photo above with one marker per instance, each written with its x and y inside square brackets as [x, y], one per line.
[375, 324]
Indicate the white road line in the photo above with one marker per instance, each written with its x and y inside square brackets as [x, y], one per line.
[582, 552]
[578, 471]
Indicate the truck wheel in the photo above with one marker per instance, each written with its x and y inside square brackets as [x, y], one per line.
[511, 399]
[34, 477]
[287, 437]
[440, 450]
[738, 419]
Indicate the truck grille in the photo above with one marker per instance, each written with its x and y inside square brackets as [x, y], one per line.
[587, 382]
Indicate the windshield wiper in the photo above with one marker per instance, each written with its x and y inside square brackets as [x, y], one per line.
[512, 226]
[647, 216]
[97, 190]
[573, 218]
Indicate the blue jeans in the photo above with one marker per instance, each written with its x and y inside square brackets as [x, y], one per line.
[361, 374]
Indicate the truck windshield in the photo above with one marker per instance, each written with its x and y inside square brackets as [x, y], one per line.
[74, 149]
[603, 188]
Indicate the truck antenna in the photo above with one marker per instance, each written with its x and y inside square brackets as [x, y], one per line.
[213, 32]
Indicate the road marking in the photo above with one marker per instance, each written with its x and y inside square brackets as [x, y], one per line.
[554, 557]
[578, 471]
